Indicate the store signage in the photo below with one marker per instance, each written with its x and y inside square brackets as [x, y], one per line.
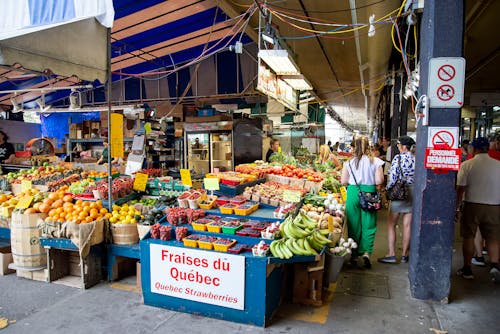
[26, 185]
[446, 82]
[24, 202]
[443, 159]
[140, 181]
[201, 276]
[442, 149]
[292, 196]
[211, 183]
[271, 85]
[186, 177]
[442, 137]
[116, 136]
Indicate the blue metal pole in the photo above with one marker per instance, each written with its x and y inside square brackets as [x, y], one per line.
[434, 198]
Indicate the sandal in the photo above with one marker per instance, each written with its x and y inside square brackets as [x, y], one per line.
[366, 262]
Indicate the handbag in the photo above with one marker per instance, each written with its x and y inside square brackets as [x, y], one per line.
[399, 191]
[368, 201]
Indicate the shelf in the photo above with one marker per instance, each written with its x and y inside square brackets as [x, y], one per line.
[95, 140]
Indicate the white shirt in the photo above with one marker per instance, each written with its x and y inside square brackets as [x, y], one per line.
[365, 173]
[481, 177]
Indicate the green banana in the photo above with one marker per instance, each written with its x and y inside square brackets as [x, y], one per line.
[309, 248]
[322, 239]
[313, 243]
[324, 231]
[272, 248]
[286, 251]
[291, 247]
[301, 233]
[277, 248]
[299, 249]
[311, 223]
[298, 222]
[289, 232]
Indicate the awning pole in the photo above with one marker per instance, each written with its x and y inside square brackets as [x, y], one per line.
[108, 98]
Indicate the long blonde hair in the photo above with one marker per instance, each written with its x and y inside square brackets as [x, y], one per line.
[361, 147]
[324, 153]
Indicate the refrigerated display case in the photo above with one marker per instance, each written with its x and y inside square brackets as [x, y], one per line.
[209, 150]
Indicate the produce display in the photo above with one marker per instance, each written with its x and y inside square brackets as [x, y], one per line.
[270, 193]
[151, 172]
[300, 236]
[161, 232]
[297, 173]
[121, 187]
[79, 187]
[40, 175]
[153, 217]
[125, 214]
[62, 208]
[101, 175]
[177, 216]
[8, 202]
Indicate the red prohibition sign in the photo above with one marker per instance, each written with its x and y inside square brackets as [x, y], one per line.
[446, 72]
[443, 138]
[445, 92]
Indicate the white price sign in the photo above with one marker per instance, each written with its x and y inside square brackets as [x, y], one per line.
[446, 82]
[206, 277]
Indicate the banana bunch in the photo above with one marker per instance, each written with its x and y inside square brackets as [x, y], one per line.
[300, 237]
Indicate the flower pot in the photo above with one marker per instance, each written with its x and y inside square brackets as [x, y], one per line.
[333, 265]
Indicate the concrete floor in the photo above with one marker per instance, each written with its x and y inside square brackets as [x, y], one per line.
[38, 307]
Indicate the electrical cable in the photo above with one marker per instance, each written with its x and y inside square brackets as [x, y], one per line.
[332, 11]
[335, 30]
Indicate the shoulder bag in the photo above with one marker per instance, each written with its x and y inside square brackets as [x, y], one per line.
[399, 191]
[368, 201]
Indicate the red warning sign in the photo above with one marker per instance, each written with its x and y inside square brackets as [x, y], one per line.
[443, 140]
[445, 92]
[443, 159]
[446, 72]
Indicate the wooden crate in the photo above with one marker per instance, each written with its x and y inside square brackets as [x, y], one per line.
[67, 268]
[308, 283]
[35, 275]
[123, 267]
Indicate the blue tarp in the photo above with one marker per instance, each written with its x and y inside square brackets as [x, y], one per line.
[56, 125]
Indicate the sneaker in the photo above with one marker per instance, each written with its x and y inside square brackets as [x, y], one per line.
[366, 262]
[485, 251]
[405, 258]
[466, 272]
[387, 259]
[478, 261]
[495, 274]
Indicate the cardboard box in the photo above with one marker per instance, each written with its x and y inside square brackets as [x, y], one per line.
[5, 260]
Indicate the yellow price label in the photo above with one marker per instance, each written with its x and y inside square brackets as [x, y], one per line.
[26, 185]
[211, 183]
[140, 181]
[147, 128]
[186, 177]
[343, 193]
[24, 202]
[292, 196]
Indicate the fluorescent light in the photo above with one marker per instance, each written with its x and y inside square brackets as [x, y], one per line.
[298, 82]
[310, 99]
[279, 61]
[267, 38]
[15, 106]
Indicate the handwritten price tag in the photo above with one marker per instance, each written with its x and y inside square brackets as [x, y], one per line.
[291, 196]
[211, 183]
[186, 177]
[343, 193]
[26, 185]
[24, 202]
[140, 181]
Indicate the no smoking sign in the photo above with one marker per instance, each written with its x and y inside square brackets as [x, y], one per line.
[446, 82]
[442, 137]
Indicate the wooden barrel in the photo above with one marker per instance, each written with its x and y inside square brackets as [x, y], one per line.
[25, 241]
[124, 234]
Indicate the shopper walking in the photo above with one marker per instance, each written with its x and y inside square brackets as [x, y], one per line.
[365, 170]
[402, 168]
[478, 180]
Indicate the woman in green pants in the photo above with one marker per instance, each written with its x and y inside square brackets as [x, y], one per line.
[369, 173]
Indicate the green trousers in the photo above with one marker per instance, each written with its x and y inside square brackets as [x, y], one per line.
[361, 224]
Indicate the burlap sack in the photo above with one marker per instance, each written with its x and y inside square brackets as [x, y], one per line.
[84, 235]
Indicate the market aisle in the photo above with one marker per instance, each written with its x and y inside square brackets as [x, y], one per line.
[377, 307]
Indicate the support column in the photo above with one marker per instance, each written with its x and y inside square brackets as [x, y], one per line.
[434, 197]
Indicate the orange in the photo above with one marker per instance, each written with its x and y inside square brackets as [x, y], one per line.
[89, 219]
[52, 212]
[79, 202]
[53, 196]
[103, 211]
[48, 201]
[93, 205]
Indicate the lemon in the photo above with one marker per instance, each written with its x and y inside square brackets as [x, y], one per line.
[112, 220]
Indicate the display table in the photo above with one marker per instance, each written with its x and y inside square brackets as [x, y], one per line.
[241, 288]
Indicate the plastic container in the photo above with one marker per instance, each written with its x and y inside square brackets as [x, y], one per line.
[220, 247]
[238, 248]
[205, 244]
[190, 242]
[222, 200]
[227, 209]
[232, 181]
[199, 227]
[208, 203]
[215, 227]
[239, 200]
[231, 229]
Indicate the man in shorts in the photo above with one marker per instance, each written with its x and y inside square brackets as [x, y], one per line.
[478, 180]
